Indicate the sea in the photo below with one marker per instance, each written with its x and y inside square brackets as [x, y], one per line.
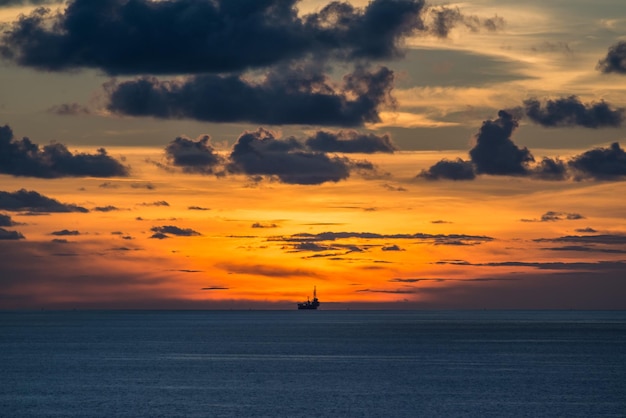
[313, 364]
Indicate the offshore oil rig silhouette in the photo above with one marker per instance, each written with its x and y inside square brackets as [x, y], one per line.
[310, 304]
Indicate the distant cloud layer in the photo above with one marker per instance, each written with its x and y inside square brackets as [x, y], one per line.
[615, 59]
[25, 158]
[284, 96]
[495, 153]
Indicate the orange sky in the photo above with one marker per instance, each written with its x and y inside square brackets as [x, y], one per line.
[246, 253]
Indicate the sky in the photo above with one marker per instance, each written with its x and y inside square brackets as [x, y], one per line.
[233, 154]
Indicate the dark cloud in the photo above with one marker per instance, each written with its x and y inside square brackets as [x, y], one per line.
[197, 208]
[188, 36]
[148, 186]
[159, 235]
[570, 111]
[440, 239]
[108, 208]
[449, 170]
[559, 216]
[6, 234]
[586, 230]
[586, 249]
[294, 95]
[616, 239]
[311, 246]
[193, 156]
[495, 152]
[552, 216]
[557, 265]
[479, 279]
[25, 158]
[550, 169]
[600, 163]
[394, 188]
[615, 60]
[552, 47]
[259, 153]
[262, 225]
[445, 18]
[400, 280]
[25, 200]
[108, 185]
[13, 3]
[157, 203]
[268, 270]
[215, 288]
[392, 248]
[350, 142]
[5, 220]
[173, 230]
[372, 33]
[405, 291]
[67, 109]
[65, 232]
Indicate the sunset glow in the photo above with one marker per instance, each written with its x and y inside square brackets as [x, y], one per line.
[473, 163]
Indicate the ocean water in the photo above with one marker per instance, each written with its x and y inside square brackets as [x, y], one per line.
[312, 363]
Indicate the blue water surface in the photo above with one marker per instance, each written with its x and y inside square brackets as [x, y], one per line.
[313, 363]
